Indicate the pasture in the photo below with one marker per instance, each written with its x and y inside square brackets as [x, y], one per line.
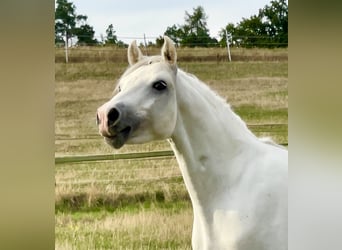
[143, 203]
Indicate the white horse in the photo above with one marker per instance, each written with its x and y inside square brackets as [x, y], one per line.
[237, 183]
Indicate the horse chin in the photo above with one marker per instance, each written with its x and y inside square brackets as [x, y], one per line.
[118, 140]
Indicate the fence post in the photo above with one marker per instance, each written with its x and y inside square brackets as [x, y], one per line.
[145, 44]
[228, 36]
[66, 48]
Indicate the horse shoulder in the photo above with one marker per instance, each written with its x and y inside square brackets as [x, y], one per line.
[260, 192]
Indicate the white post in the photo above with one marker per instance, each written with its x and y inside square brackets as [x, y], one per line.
[145, 44]
[66, 48]
[228, 36]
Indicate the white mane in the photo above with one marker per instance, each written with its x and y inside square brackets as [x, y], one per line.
[217, 104]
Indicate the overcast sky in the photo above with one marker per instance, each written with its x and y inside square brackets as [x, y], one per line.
[133, 19]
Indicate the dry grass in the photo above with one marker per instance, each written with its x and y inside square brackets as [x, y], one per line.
[264, 92]
[118, 55]
[113, 184]
[144, 229]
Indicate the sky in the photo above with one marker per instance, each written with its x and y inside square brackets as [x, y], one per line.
[132, 19]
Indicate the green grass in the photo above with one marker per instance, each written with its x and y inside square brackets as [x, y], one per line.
[255, 114]
[86, 71]
[143, 203]
[225, 71]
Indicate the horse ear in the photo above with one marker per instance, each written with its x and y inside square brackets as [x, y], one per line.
[134, 54]
[168, 52]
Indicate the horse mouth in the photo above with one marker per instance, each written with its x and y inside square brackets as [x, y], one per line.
[119, 139]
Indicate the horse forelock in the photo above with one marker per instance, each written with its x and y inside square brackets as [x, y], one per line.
[146, 60]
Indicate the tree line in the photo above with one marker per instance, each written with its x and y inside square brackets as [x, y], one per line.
[268, 28]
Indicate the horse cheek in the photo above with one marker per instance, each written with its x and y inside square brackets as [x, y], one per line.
[165, 121]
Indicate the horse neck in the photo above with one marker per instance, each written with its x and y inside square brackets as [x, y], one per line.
[208, 136]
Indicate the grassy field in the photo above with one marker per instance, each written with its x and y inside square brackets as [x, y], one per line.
[143, 203]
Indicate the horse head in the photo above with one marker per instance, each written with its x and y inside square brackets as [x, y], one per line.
[143, 107]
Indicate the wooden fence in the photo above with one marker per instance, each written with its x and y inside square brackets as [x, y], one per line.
[166, 153]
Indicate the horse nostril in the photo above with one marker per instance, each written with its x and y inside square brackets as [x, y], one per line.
[113, 116]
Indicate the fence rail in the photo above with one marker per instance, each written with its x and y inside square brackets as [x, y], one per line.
[113, 157]
[266, 127]
[152, 40]
[126, 182]
[166, 153]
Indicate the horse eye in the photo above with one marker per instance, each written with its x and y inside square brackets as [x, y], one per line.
[159, 85]
[119, 89]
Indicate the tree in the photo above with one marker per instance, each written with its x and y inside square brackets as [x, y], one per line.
[111, 37]
[65, 20]
[85, 35]
[68, 24]
[267, 29]
[175, 33]
[197, 22]
[251, 32]
[276, 21]
[193, 33]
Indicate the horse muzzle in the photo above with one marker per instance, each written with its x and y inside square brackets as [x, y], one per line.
[115, 124]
